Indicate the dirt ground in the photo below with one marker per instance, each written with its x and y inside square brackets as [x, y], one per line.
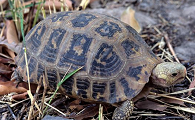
[159, 20]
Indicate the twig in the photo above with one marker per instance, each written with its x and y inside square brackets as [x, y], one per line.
[176, 114]
[44, 92]
[182, 91]
[2, 31]
[55, 109]
[12, 113]
[192, 84]
[162, 95]
[170, 47]
[33, 100]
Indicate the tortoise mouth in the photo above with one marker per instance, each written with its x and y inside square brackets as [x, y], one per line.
[163, 83]
[178, 80]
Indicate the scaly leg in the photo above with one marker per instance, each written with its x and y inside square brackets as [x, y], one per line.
[124, 111]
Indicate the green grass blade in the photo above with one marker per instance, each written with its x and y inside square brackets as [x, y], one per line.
[36, 3]
[37, 14]
[20, 15]
[68, 75]
[12, 8]
[58, 86]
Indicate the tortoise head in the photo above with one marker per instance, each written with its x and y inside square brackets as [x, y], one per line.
[168, 73]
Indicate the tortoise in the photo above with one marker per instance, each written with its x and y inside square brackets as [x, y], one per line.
[117, 62]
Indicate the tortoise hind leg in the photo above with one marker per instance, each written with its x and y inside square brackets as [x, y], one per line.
[124, 111]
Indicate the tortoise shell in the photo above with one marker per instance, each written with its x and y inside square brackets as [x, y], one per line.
[117, 62]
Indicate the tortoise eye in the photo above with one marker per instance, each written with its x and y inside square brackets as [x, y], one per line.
[174, 74]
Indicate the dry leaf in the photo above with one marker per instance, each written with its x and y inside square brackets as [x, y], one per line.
[74, 104]
[128, 17]
[15, 47]
[58, 4]
[3, 3]
[5, 70]
[6, 60]
[150, 105]
[10, 86]
[3, 78]
[77, 107]
[13, 86]
[21, 96]
[11, 35]
[169, 100]
[50, 3]
[192, 85]
[89, 111]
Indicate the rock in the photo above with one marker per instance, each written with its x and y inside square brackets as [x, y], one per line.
[144, 6]
[189, 12]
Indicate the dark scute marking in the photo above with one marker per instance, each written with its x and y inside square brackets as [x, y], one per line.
[108, 29]
[102, 99]
[23, 63]
[21, 53]
[106, 62]
[134, 72]
[82, 20]
[130, 47]
[32, 65]
[68, 84]
[136, 35]
[82, 85]
[35, 39]
[51, 49]
[152, 54]
[113, 95]
[98, 88]
[77, 52]
[128, 91]
[138, 38]
[60, 16]
[52, 78]
[146, 73]
[40, 71]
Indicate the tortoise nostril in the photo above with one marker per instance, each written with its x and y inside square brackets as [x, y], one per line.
[174, 74]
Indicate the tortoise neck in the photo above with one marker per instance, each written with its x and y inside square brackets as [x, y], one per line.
[151, 82]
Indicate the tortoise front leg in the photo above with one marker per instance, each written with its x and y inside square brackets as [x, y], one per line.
[124, 111]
